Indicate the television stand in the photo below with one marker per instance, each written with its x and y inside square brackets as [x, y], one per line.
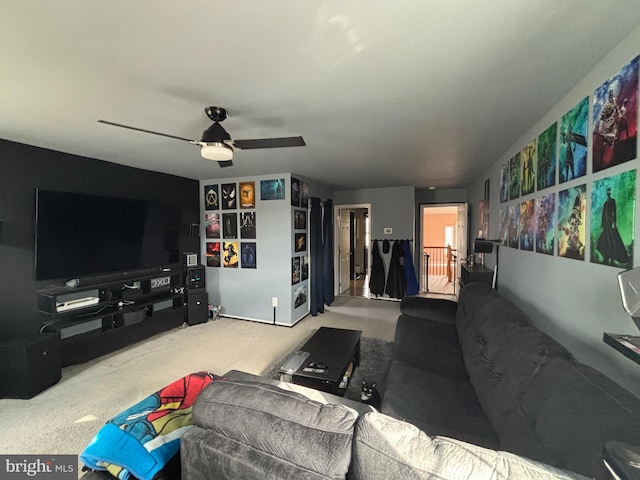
[95, 319]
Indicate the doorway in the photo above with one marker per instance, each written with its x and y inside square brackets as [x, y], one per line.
[352, 249]
[443, 230]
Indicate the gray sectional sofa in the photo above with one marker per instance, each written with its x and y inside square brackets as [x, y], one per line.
[474, 390]
[479, 371]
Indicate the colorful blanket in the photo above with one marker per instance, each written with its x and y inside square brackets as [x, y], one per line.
[141, 440]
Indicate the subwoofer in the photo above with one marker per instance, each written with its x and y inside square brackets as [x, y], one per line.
[29, 364]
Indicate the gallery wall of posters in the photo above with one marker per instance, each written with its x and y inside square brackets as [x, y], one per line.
[242, 216]
[556, 223]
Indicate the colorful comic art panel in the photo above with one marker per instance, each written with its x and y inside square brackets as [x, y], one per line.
[545, 212]
[527, 225]
[528, 168]
[212, 225]
[615, 118]
[572, 207]
[612, 223]
[504, 226]
[572, 156]
[513, 240]
[514, 176]
[547, 157]
[247, 194]
[213, 254]
[230, 254]
[504, 183]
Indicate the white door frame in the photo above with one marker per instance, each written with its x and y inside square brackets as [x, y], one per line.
[461, 236]
[336, 241]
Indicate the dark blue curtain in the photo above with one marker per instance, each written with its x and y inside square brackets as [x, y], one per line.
[316, 258]
[327, 244]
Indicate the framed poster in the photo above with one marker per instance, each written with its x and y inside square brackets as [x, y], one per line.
[300, 219]
[514, 177]
[612, 225]
[545, 214]
[573, 142]
[230, 225]
[546, 157]
[295, 270]
[295, 192]
[247, 224]
[300, 241]
[272, 189]
[527, 219]
[213, 254]
[513, 240]
[304, 194]
[230, 254]
[247, 194]
[229, 200]
[212, 224]
[528, 168]
[504, 183]
[248, 257]
[572, 205]
[615, 118]
[211, 197]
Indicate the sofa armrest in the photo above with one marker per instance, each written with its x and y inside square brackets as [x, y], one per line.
[436, 309]
[317, 395]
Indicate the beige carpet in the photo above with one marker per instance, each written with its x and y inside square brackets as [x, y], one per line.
[64, 418]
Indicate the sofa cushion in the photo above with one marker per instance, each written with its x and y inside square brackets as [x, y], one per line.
[429, 345]
[437, 404]
[388, 449]
[436, 309]
[257, 430]
[574, 410]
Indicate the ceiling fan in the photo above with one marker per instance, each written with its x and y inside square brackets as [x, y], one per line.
[216, 144]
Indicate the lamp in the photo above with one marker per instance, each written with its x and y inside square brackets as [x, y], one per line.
[216, 151]
[481, 245]
[629, 283]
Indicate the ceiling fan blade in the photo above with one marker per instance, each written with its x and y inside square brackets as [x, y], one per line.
[269, 143]
[225, 163]
[147, 131]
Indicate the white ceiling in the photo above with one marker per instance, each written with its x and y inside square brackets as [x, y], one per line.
[389, 93]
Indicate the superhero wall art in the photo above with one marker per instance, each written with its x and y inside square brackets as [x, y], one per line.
[547, 157]
[615, 118]
[545, 213]
[612, 224]
[572, 205]
[572, 156]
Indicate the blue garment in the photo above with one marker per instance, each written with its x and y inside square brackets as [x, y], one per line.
[412, 282]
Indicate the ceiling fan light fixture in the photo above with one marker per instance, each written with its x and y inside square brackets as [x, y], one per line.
[216, 151]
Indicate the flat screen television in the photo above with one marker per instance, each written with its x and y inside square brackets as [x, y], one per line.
[80, 235]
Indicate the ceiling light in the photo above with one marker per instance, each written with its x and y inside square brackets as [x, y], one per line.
[216, 151]
[432, 187]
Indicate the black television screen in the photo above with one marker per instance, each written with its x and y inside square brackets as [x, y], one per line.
[83, 235]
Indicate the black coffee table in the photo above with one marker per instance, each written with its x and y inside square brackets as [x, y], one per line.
[338, 350]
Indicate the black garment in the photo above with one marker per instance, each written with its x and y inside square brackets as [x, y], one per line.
[376, 282]
[610, 244]
[396, 279]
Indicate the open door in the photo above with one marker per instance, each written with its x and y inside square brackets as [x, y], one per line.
[344, 250]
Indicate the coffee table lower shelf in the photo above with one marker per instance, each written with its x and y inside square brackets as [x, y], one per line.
[339, 350]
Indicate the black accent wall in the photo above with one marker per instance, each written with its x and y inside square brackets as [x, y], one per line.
[24, 168]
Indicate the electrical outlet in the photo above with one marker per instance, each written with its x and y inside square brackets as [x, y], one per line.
[274, 301]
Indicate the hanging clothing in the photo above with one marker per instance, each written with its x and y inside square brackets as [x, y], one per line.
[412, 282]
[327, 249]
[396, 278]
[316, 289]
[376, 282]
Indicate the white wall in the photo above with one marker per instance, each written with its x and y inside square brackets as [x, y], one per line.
[574, 301]
[247, 293]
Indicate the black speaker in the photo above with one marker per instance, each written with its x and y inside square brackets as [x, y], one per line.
[195, 279]
[197, 308]
[29, 364]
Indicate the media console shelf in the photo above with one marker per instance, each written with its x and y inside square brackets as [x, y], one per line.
[475, 273]
[99, 318]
